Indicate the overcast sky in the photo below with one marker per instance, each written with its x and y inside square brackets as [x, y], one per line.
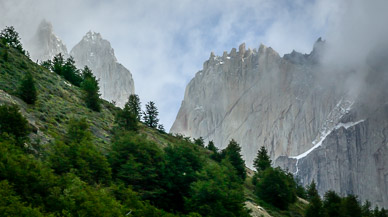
[164, 43]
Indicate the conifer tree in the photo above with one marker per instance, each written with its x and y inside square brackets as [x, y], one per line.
[57, 64]
[126, 119]
[150, 116]
[199, 141]
[11, 37]
[314, 208]
[27, 90]
[86, 72]
[233, 153]
[13, 123]
[262, 160]
[92, 95]
[134, 106]
[71, 73]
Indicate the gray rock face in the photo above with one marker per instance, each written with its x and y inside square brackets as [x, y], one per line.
[45, 44]
[308, 121]
[256, 98]
[116, 83]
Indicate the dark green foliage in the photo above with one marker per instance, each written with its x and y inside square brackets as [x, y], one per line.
[262, 160]
[87, 72]
[79, 155]
[351, 206]
[10, 37]
[182, 164]
[199, 142]
[71, 73]
[134, 106]
[92, 96]
[27, 90]
[312, 190]
[13, 123]
[233, 153]
[300, 191]
[57, 64]
[276, 187]
[150, 116]
[29, 177]
[215, 155]
[218, 192]
[65, 68]
[332, 204]
[315, 206]
[11, 205]
[137, 162]
[127, 118]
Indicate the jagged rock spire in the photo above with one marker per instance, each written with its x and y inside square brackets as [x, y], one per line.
[45, 44]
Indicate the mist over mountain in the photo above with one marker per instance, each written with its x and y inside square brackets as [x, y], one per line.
[115, 81]
[45, 44]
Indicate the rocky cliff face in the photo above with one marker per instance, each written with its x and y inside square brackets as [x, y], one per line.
[45, 44]
[116, 83]
[310, 122]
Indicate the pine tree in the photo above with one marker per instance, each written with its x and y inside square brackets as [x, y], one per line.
[262, 160]
[150, 116]
[71, 73]
[10, 37]
[126, 119]
[57, 64]
[199, 141]
[92, 95]
[134, 106]
[13, 123]
[312, 190]
[233, 153]
[27, 90]
[314, 208]
[86, 72]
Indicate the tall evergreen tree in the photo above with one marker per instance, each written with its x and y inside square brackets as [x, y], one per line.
[57, 64]
[126, 118]
[92, 95]
[134, 106]
[150, 116]
[13, 123]
[71, 73]
[276, 187]
[27, 90]
[11, 37]
[86, 72]
[262, 160]
[233, 153]
[314, 208]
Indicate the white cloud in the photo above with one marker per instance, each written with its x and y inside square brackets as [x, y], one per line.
[164, 43]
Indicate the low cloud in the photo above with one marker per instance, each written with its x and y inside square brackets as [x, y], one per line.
[164, 43]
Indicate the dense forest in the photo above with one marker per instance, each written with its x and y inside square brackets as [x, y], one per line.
[66, 152]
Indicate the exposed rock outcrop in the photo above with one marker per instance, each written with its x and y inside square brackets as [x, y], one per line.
[307, 117]
[45, 44]
[116, 83]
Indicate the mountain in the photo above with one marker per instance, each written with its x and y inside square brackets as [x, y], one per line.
[315, 120]
[116, 83]
[45, 44]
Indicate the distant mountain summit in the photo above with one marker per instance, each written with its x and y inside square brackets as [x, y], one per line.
[116, 83]
[45, 44]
